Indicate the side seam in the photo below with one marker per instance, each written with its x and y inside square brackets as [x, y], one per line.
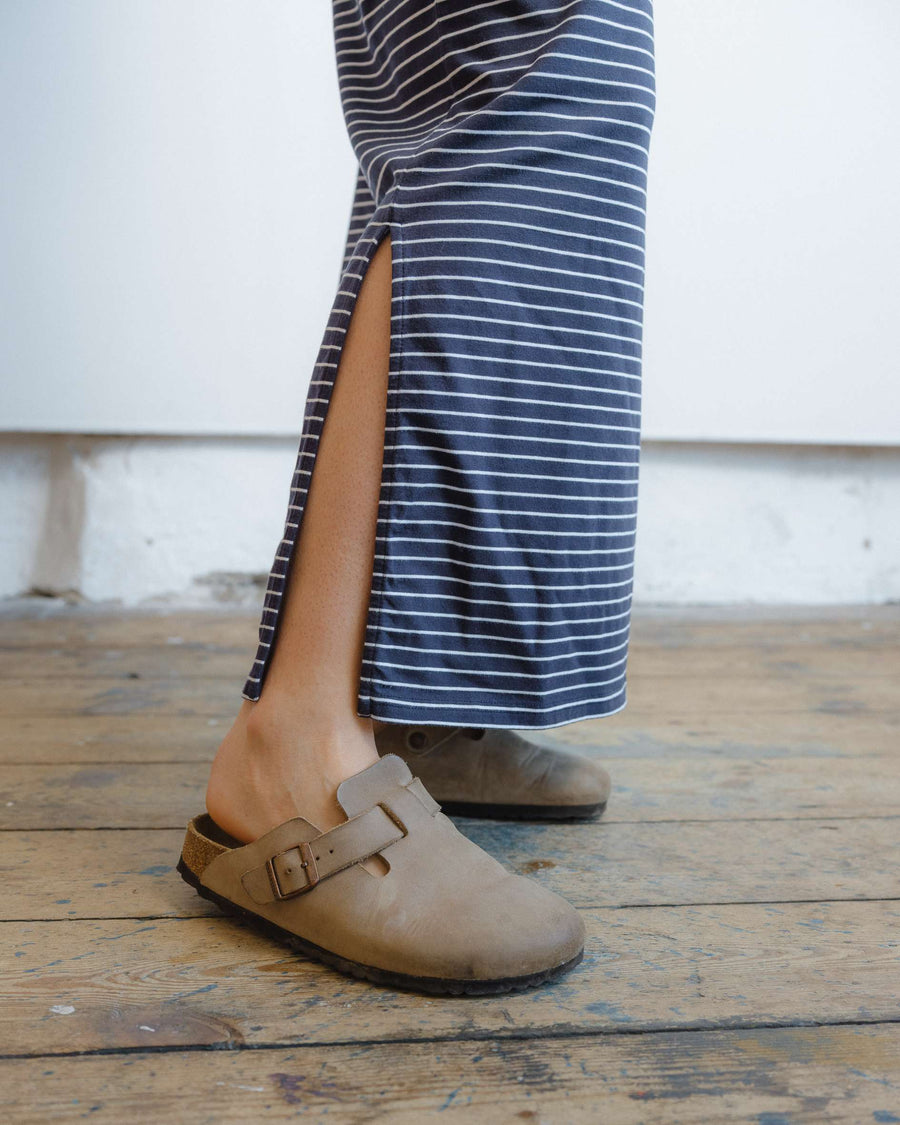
[381, 560]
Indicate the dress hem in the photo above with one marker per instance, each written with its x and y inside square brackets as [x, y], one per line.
[509, 720]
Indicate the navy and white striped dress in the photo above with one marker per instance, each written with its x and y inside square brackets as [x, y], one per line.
[504, 146]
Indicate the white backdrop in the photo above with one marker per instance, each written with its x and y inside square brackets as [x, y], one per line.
[178, 181]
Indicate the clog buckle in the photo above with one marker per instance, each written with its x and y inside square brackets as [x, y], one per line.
[307, 865]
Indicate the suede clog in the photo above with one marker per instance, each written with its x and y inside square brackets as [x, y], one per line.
[483, 772]
[446, 918]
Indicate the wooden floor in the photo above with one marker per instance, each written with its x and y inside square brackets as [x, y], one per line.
[741, 896]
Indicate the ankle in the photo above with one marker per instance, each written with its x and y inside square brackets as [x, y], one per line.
[267, 771]
[336, 742]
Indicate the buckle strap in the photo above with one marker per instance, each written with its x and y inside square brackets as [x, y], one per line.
[416, 786]
[304, 865]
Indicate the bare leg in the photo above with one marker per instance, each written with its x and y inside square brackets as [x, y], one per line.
[286, 753]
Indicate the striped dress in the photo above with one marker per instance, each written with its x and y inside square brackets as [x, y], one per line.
[503, 145]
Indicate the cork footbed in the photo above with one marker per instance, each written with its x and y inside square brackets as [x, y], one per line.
[203, 841]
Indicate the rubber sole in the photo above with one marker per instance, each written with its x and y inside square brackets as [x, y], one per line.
[522, 812]
[430, 985]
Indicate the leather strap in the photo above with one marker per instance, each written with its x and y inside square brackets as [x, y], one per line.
[301, 867]
[416, 786]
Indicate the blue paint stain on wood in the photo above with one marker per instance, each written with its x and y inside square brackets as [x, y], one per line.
[449, 1098]
[130, 933]
[869, 1077]
[604, 1008]
[194, 992]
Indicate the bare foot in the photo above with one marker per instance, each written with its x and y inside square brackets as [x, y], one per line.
[269, 769]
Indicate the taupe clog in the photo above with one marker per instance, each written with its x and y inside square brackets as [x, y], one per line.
[498, 773]
[446, 918]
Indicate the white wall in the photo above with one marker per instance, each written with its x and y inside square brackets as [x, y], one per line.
[179, 187]
[176, 192]
[773, 235]
[175, 199]
[198, 520]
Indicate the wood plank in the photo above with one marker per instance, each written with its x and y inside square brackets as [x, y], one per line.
[736, 734]
[123, 738]
[115, 874]
[165, 738]
[33, 622]
[110, 627]
[155, 662]
[201, 660]
[168, 794]
[64, 875]
[691, 626]
[214, 982]
[648, 697]
[771, 1076]
[736, 746]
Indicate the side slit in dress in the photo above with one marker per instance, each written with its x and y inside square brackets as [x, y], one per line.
[504, 147]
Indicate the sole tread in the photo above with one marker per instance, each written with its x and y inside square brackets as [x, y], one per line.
[431, 986]
[479, 810]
